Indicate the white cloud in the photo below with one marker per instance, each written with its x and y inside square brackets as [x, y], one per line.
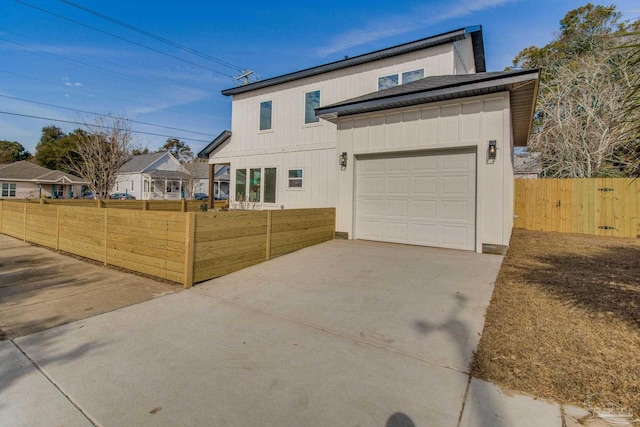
[76, 84]
[401, 24]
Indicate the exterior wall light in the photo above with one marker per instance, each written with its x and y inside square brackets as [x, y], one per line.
[492, 151]
[343, 159]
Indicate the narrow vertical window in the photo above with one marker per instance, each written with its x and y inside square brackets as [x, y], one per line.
[269, 185]
[132, 185]
[265, 115]
[311, 102]
[241, 185]
[254, 184]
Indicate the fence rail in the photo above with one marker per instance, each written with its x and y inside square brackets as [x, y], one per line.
[144, 205]
[599, 206]
[183, 247]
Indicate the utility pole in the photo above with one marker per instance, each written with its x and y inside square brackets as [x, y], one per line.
[245, 76]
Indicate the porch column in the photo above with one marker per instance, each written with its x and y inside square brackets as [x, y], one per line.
[212, 170]
[164, 190]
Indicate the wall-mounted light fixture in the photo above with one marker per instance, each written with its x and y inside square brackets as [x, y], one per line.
[492, 151]
[343, 159]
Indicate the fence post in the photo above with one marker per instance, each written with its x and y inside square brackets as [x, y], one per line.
[25, 222]
[189, 249]
[106, 212]
[58, 228]
[184, 205]
[145, 205]
[268, 257]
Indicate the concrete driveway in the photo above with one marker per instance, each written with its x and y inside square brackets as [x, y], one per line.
[342, 333]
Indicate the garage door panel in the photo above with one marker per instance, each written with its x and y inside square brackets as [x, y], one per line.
[425, 210]
[424, 200]
[398, 186]
[456, 211]
[425, 185]
[395, 231]
[456, 185]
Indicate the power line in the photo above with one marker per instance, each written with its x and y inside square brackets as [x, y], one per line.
[90, 57]
[102, 115]
[119, 37]
[104, 95]
[108, 127]
[154, 36]
[99, 69]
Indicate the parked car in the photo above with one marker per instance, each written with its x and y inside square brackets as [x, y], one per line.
[122, 196]
[87, 195]
[201, 196]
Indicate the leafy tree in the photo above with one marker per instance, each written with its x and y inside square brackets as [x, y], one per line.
[12, 151]
[56, 149]
[584, 81]
[136, 151]
[179, 149]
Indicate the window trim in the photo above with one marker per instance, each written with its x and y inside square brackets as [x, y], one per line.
[289, 187]
[270, 128]
[8, 189]
[304, 108]
[247, 172]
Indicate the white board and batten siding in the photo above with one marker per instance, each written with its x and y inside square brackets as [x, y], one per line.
[422, 199]
[449, 194]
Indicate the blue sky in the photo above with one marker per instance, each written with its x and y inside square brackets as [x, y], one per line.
[47, 59]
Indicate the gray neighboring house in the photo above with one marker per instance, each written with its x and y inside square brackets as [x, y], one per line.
[220, 188]
[26, 180]
[526, 165]
[152, 176]
[221, 182]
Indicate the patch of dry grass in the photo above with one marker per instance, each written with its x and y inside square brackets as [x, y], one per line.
[564, 320]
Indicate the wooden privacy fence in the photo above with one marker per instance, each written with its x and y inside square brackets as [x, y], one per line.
[144, 205]
[600, 206]
[183, 247]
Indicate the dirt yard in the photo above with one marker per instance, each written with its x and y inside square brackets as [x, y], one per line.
[564, 321]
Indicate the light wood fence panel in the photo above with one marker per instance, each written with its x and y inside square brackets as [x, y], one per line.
[298, 228]
[13, 219]
[598, 206]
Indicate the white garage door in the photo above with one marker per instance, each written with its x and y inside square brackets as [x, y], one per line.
[427, 200]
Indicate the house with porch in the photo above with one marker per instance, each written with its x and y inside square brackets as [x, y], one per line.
[26, 180]
[153, 176]
[411, 144]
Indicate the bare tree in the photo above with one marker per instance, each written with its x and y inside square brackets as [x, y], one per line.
[193, 169]
[580, 129]
[103, 148]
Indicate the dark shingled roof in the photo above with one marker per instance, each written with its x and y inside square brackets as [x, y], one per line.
[522, 86]
[475, 32]
[140, 162]
[27, 171]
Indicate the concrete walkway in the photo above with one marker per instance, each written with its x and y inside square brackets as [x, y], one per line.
[343, 333]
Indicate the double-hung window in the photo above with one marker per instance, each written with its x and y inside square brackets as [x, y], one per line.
[386, 82]
[8, 189]
[294, 178]
[311, 102]
[266, 114]
[260, 185]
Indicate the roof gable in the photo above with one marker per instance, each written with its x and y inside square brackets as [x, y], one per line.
[475, 32]
[141, 162]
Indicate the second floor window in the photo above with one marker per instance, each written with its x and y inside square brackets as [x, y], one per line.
[311, 102]
[265, 115]
[392, 80]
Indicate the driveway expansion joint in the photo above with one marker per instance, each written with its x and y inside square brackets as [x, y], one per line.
[327, 331]
[54, 384]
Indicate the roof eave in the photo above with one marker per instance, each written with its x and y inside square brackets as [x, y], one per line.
[437, 40]
[204, 153]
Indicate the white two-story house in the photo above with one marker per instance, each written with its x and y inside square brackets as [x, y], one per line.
[411, 144]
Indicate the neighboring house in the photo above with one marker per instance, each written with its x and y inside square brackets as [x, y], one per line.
[26, 180]
[526, 165]
[152, 176]
[411, 144]
[200, 170]
[221, 182]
